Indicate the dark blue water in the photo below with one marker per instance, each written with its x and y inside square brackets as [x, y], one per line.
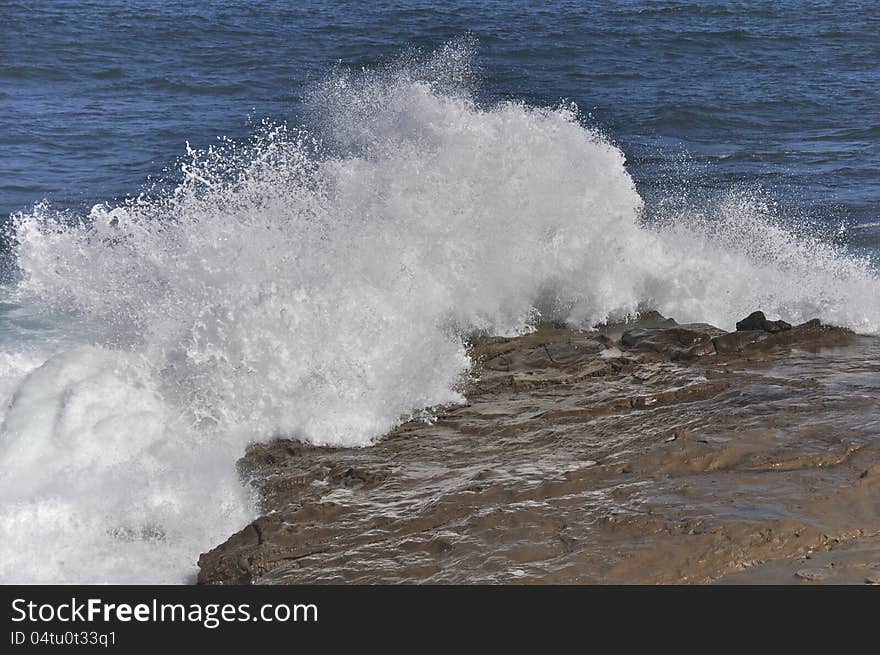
[97, 98]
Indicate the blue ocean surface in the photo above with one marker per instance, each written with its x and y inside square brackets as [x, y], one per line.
[97, 98]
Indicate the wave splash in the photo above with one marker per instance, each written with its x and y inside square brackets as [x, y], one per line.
[320, 285]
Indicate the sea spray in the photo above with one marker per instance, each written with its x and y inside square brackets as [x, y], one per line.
[316, 284]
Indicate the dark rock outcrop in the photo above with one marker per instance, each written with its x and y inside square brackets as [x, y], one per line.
[755, 335]
[811, 335]
[757, 321]
[546, 356]
[678, 343]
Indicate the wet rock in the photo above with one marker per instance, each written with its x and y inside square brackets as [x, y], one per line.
[543, 349]
[557, 449]
[567, 355]
[651, 319]
[546, 356]
[220, 566]
[757, 321]
[813, 575]
[811, 335]
[739, 341]
[304, 530]
[678, 343]
[870, 472]
[704, 328]
[815, 334]
[349, 476]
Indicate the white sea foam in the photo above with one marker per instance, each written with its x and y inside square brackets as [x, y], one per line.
[319, 290]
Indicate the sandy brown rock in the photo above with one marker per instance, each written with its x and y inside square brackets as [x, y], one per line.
[586, 457]
[854, 561]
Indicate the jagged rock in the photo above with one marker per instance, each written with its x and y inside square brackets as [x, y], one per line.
[564, 355]
[755, 334]
[678, 343]
[546, 356]
[809, 336]
[757, 321]
[305, 529]
[547, 346]
[664, 336]
[739, 341]
[651, 319]
[703, 327]
[218, 566]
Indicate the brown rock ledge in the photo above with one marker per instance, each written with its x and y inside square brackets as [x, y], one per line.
[639, 452]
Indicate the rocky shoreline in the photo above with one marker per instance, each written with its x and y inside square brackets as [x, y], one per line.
[641, 452]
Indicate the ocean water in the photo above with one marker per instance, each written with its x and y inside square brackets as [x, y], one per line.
[233, 222]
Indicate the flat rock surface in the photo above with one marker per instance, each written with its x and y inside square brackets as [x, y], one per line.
[584, 457]
[851, 562]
